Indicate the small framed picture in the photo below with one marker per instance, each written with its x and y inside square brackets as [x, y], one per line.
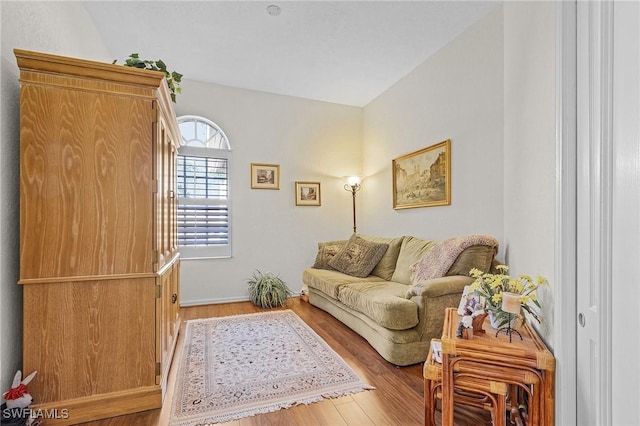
[469, 302]
[265, 176]
[307, 193]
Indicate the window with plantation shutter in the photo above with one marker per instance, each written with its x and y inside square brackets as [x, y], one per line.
[203, 189]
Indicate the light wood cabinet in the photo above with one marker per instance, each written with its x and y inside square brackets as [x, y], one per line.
[99, 261]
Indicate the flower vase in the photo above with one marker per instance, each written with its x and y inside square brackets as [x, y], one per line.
[495, 322]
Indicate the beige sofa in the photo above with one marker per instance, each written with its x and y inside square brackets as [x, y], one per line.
[396, 316]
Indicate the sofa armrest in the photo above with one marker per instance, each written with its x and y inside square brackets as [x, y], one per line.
[437, 287]
[432, 297]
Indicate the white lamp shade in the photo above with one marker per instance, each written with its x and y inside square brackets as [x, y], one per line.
[511, 303]
[353, 180]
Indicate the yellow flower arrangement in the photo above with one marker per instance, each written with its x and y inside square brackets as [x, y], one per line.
[491, 286]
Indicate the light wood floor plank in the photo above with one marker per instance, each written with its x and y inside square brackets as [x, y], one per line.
[352, 413]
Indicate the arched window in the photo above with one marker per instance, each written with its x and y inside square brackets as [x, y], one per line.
[203, 189]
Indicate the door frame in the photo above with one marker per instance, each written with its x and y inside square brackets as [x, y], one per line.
[568, 186]
[565, 288]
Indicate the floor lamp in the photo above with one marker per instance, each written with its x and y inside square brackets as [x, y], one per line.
[353, 185]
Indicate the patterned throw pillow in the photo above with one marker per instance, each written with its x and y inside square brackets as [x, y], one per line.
[326, 251]
[387, 265]
[358, 257]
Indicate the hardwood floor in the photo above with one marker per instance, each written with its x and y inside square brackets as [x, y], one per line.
[397, 399]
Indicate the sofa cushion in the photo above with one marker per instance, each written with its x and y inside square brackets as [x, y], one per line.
[479, 257]
[329, 281]
[326, 251]
[411, 251]
[383, 302]
[358, 257]
[386, 266]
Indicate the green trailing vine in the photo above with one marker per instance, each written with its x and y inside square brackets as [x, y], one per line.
[173, 78]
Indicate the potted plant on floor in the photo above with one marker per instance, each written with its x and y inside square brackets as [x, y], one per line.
[268, 290]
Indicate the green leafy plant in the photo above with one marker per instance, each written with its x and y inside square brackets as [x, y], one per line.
[492, 286]
[268, 290]
[173, 78]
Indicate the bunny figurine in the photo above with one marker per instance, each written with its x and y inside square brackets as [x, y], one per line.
[18, 396]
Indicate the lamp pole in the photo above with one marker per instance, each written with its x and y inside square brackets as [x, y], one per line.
[353, 186]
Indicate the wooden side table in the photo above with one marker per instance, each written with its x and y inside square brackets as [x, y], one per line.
[489, 395]
[525, 364]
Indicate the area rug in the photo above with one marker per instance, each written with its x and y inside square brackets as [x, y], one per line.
[243, 365]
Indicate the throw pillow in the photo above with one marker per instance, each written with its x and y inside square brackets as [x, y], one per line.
[384, 269]
[358, 257]
[326, 252]
[473, 257]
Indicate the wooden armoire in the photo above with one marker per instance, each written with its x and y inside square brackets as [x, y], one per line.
[99, 261]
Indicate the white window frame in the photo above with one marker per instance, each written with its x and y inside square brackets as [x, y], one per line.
[217, 250]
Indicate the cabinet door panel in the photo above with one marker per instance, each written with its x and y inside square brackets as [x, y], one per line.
[90, 337]
[85, 183]
[167, 319]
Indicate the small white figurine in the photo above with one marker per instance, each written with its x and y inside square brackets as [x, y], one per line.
[18, 396]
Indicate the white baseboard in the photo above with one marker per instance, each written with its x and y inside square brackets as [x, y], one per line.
[199, 302]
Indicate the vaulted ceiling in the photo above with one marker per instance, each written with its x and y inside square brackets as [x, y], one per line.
[346, 52]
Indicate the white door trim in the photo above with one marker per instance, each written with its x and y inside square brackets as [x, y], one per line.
[594, 186]
[564, 324]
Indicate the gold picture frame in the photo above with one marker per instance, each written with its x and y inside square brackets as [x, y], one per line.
[308, 194]
[423, 178]
[265, 176]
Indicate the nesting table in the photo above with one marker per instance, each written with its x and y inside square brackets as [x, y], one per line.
[526, 368]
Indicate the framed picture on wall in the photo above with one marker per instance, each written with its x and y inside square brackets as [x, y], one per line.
[308, 193]
[423, 178]
[265, 176]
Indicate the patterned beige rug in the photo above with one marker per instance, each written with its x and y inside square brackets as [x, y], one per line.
[243, 365]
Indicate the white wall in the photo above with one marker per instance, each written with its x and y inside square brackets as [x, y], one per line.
[529, 145]
[311, 141]
[456, 94]
[51, 27]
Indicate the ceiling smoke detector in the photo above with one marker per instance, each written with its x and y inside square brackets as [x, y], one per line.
[273, 10]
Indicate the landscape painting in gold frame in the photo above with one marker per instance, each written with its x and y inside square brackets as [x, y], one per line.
[265, 176]
[307, 193]
[423, 178]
